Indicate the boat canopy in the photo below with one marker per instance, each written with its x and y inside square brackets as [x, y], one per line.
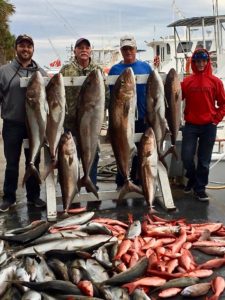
[197, 21]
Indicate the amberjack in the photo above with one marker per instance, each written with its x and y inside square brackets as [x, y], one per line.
[148, 159]
[156, 108]
[90, 114]
[173, 96]
[55, 92]
[121, 126]
[68, 169]
[36, 117]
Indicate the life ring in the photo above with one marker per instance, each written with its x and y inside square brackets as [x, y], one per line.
[156, 61]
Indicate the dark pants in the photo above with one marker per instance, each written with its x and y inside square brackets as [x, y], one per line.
[200, 138]
[140, 126]
[13, 134]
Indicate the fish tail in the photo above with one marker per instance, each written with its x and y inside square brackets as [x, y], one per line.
[88, 184]
[172, 150]
[50, 168]
[31, 171]
[213, 297]
[129, 187]
[130, 286]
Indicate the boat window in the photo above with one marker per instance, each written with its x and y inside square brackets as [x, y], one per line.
[162, 54]
[184, 47]
[157, 50]
[168, 48]
[208, 45]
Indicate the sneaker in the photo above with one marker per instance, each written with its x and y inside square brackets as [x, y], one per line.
[202, 196]
[37, 203]
[6, 205]
[188, 188]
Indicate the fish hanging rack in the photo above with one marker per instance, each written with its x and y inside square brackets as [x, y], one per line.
[163, 193]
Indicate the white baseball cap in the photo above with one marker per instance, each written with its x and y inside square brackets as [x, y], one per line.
[128, 40]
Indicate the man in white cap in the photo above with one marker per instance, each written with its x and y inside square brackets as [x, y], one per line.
[82, 65]
[128, 48]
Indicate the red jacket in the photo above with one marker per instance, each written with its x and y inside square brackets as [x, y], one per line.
[205, 96]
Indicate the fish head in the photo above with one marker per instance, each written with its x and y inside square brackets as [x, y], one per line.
[124, 88]
[148, 142]
[56, 91]
[92, 86]
[35, 90]
[67, 144]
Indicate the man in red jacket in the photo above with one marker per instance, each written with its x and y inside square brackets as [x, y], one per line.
[204, 108]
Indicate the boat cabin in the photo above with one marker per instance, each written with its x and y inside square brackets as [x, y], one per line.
[189, 34]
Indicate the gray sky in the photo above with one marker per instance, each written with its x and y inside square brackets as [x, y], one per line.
[56, 24]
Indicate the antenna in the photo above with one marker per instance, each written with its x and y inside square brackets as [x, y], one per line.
[54, 49]
[177, 11]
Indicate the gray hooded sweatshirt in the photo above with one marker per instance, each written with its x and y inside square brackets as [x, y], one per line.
[12, 96]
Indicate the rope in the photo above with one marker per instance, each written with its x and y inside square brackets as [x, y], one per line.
[107, 172]
[220, 187]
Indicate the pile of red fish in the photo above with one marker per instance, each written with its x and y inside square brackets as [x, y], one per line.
[167, 244]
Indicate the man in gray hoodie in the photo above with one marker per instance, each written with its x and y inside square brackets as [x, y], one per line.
[12, 101]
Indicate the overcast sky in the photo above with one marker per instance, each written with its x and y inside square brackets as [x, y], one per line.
[56, 24]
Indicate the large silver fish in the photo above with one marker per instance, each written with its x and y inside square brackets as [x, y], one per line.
[66, 244]
[52, 287]
[29, 235]
[36, 116]
[148, 159]
[75, 220]
[121, 126]
[68, 169]
[129, 275]
[156, 108]
[90, 114]
[55, 93]
[173, 107]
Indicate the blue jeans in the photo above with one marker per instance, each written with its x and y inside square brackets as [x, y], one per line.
[140, 126]
[202, 139]
[13, 134]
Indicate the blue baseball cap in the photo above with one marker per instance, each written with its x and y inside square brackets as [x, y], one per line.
[200, 55]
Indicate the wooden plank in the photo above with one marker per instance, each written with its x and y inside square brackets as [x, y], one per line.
[78, 80]
[50, 189]
[166, 199]
[104, 195]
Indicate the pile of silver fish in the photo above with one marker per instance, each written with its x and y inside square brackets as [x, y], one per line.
[87, 257]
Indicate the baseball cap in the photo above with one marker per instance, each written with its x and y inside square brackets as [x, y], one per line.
[82, 40]
[128, 40]
[24, 37]
[200, 54]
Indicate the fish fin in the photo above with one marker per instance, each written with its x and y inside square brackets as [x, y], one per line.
[130, 218]
[88, 184]
[31, 171]
[172, 150]
[126, 108]
[50, 168]
[46, 107]
[129, 187]
[166, 102]
[40, 255]
[66, 109]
